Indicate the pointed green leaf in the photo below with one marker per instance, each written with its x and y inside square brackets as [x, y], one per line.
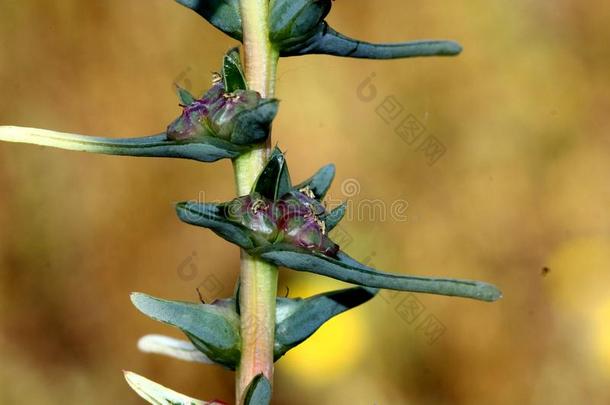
[346, 269]
[175, 348]
[320, 182]
[299, 319]
[203, 149]
[294, 20]
[274, 180]
[297, 28]
[222, 14]
[186, 98]
[214, 217]
[232, 72]
[258, 392]
[213, 329]
[296, 320]
[236, 295]
[253, 126]
[330, 42]
[157, 394]
[332, 219]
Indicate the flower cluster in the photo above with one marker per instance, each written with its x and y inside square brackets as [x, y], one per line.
[296, 218]
[213, 114]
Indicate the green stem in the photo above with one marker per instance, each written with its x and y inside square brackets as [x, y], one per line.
[258, 279]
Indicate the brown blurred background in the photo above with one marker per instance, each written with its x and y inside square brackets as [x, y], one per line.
[520, 198]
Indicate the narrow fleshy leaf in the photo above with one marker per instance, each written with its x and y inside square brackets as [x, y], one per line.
[332, 219]
[204, 149]
[157, 394]
[258, 392]
[320, 182]
[344, 268]
[297, 28]
[253, 126]
[175, 348]
[232, 72]
[296, 320]
[214, 217]
[213, 329]
[222, 14]
[294, 20]
[274, 181]
[299, 319]
[329, 42]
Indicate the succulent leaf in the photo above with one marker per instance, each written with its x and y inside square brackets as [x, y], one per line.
[274, 180]
[327, 41]
[222, 14]
[294, 21]
[344, 268]
[335, 216]
[298, 319]
[185, 96]
[297, 27]
[232, 74]
[252, 126]
[213, 329]
[258, 392]
[216, 217]
[319, 183]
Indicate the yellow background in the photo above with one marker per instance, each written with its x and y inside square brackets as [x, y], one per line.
[523, 185]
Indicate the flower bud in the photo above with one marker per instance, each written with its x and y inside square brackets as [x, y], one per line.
[300, 224]
[192, 123]
[212, 115]
[225, 108]
[255, 213]
[299, 203]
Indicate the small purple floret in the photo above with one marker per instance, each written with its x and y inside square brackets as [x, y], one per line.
[293, 219]
[212, 115]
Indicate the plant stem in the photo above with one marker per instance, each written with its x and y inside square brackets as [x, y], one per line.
[258, 279]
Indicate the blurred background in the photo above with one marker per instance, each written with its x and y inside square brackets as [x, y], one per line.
[493, 165]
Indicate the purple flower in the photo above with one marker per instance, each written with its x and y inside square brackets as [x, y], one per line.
[295, 219]
[255, 213]
[213, 114]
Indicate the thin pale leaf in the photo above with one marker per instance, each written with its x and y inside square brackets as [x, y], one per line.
[175, 348]
[157, 394]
